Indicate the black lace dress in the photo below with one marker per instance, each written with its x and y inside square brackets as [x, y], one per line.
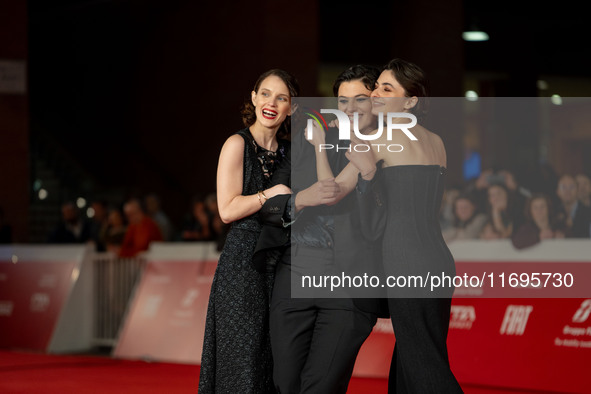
[236, 349]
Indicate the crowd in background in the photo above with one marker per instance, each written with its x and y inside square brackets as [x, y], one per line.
[128, 229]
[495, 206]
[491, 206]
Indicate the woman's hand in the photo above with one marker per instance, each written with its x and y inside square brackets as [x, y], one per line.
[324, 192]
[482, 181]
[489, 233]
[509, 180]
[559, 234]
[318, 135]
[546, 234]
[498, 206]
[277, 190]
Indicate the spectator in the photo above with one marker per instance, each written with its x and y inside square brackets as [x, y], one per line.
[72, 228]
[446, 214]
[98, 224]
[154, 210]
[115, 232]
[467, 221]
[584, 189]
[575, 215]
[500, 218]
[517, 194]
[540, 223]
[141, 231]
[543, 179]
[197, 226]
[219, 228]
[5, 230]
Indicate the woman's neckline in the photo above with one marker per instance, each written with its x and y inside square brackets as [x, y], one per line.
[416, 165]
[260, 147]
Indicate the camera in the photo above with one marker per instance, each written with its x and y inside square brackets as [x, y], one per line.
[495, 179]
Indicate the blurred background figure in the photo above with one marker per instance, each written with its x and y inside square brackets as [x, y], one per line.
[115, 231]
[467, 221]
[73, 228]
[446, 214]
[584, 189]
[141, 231]
[219, 228]
[98, 224]
[197, 225]
[5, 230]
[501, 219]
[517, 193]
[153, 209]
[575, 215]
[540, 223]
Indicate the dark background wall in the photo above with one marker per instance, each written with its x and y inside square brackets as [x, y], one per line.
[143, 93]
[140, 95]
[14, 137]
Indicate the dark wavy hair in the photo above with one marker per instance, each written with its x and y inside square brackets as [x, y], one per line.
[549, 207]
[368, 75]
[248, 111]
[414, 81]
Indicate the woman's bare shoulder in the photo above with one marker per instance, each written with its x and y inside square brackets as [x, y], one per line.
[438, 147]
[234, 143]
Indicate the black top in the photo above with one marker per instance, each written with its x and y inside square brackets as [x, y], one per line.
[403, 208]
[257, 178]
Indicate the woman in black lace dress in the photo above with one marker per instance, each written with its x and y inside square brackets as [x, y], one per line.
[236, 349]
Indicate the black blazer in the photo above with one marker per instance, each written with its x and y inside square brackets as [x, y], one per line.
[351, 248]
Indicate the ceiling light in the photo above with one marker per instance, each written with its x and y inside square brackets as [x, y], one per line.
[475, 35]
[471, 95]
[556, 99]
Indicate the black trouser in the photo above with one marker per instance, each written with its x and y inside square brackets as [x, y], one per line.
[420, 362]
[314, 340]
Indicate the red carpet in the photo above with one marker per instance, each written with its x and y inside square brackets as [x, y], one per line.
[32, 373]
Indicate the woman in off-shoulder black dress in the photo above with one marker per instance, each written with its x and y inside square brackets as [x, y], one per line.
[236, 354]
[401, 204]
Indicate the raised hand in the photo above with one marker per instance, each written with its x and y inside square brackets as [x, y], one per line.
[318, 135]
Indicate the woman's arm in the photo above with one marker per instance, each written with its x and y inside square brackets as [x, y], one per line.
[474, 228]
[346, 179]
[232, 204]
[499, 225]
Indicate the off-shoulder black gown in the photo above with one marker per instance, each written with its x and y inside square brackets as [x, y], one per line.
[236, 349]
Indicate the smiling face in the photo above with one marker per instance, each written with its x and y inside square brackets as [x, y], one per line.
[567, 189]
[539, 210]
[497, 197]
[464, 209]
[272, 102]
[390, 96]
[115, 219]
[354, 97]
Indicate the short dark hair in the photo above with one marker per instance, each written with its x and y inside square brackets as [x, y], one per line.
[368, 75]
[414, 81]
[248, 111]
